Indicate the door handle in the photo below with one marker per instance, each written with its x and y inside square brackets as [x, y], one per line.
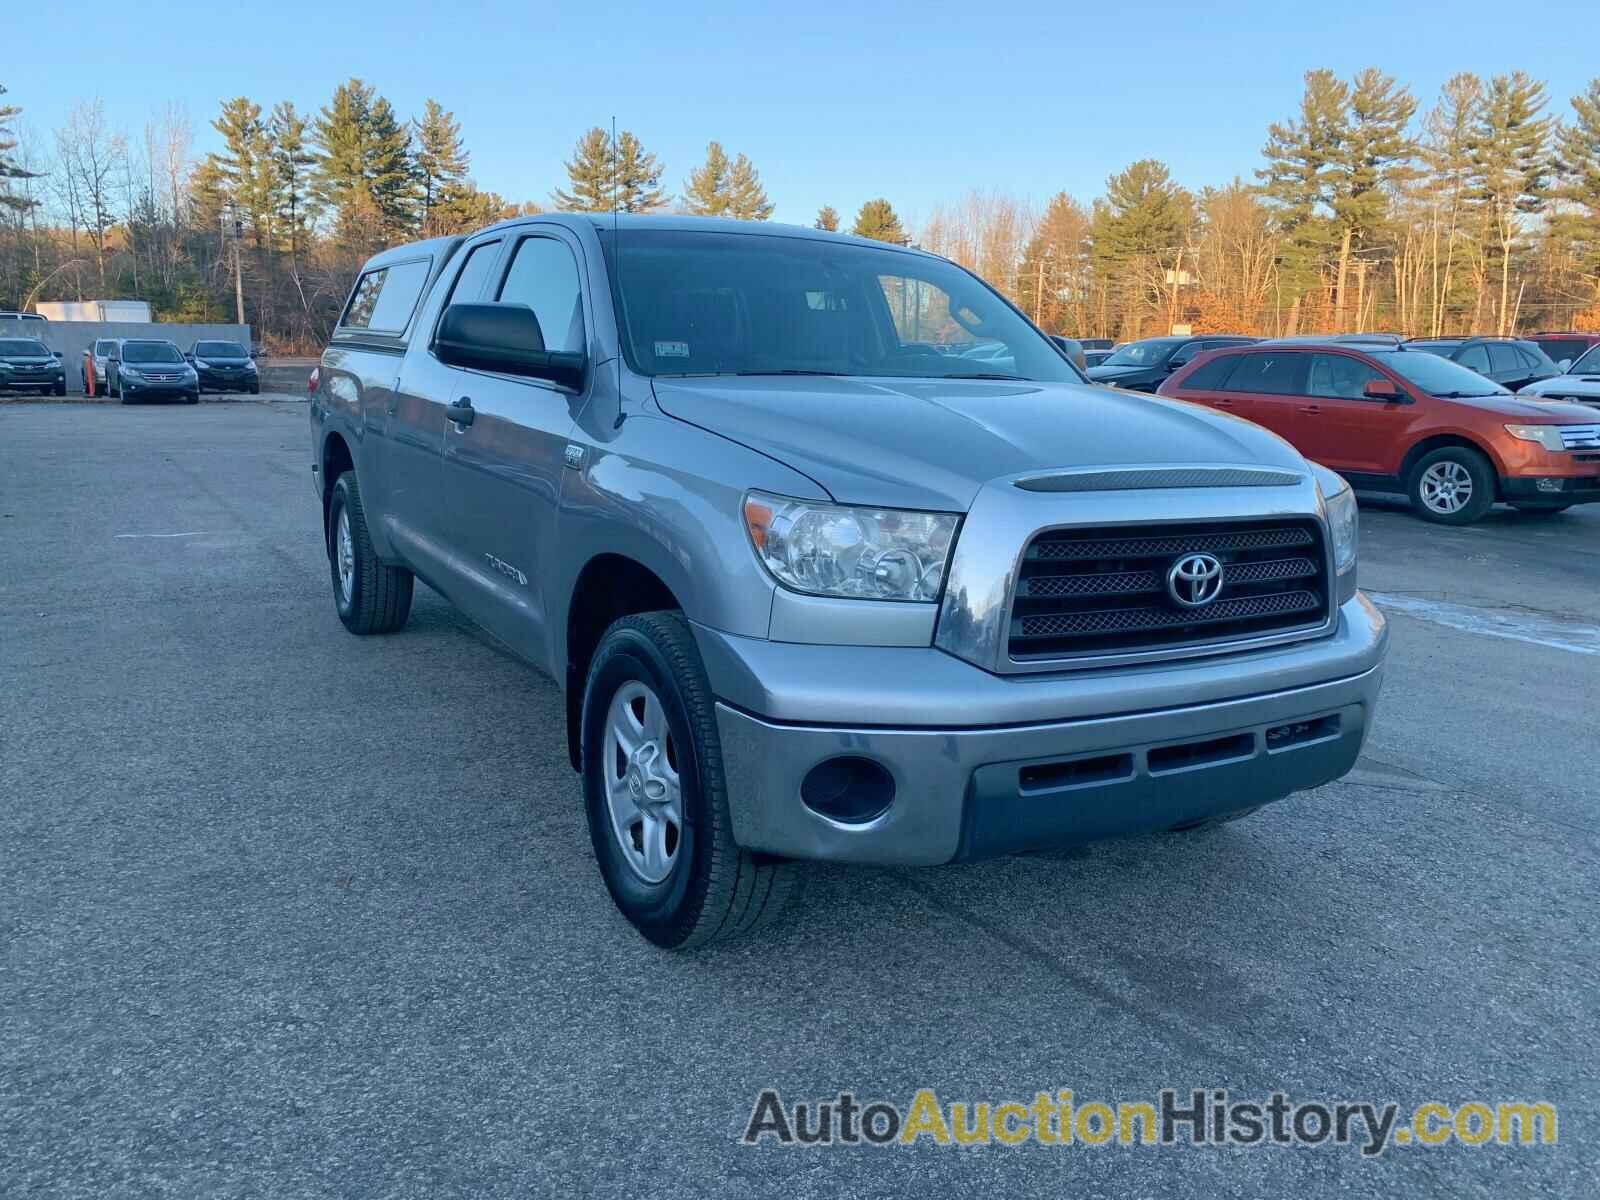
[1311, 409]
[461, 412]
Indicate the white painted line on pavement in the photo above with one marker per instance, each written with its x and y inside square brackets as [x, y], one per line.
[195, 533]
[1519, 627]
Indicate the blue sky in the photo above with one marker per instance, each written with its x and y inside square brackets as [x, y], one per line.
[834, 102]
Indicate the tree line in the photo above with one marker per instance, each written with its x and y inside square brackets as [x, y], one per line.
[1480, 213]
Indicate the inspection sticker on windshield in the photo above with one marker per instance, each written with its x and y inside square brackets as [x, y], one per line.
[672, 349]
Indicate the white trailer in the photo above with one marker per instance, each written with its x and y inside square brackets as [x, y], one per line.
[95, 310]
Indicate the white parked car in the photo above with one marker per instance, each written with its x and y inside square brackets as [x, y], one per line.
[1580, 383]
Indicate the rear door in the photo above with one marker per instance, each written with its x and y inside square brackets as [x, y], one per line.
[1349, 431]
[1268, 387]
[503, 471]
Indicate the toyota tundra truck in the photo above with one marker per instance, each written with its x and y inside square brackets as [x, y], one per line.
[816, 582]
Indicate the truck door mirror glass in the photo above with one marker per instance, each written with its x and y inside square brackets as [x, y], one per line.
[503, 337]
[1381, 389]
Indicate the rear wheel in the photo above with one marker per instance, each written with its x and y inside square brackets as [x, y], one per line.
[1453, 485]
[656, 797]
[370, 596]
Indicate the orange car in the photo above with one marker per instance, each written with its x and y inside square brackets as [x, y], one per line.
[1391, 419]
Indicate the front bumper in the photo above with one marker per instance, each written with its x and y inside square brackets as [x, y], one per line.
[1554, 489]
[217, 380]
[987, 765]
[17, 381]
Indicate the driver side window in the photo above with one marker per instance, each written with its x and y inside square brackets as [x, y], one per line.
[921, 315]
[1339, 377]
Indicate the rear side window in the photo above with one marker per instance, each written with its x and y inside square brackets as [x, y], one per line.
[544, 276]
[1475, 358]
[474, 275]
[384, 300]
[1209, 376]
[1280, 373]
[1504, 358]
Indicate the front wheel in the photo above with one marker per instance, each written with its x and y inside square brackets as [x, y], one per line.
[370, 596]
[1453, 485]
[655, 794]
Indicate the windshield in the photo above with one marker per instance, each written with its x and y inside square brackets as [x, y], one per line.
[715, 303]
[1143, 354]
[1589, 362]
[1439, 376]
[25, 347]
[150, 352]
[219, 350]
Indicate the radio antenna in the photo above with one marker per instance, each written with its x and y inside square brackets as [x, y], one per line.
[616, 255]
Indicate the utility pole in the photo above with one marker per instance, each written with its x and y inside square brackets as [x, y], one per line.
[232, 225]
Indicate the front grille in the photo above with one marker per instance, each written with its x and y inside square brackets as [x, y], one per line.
[1104, 590]
[1580, 437]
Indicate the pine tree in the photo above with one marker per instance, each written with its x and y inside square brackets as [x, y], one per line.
[8, 168]
[245, 165]
[292, 161]
[1510, 167]
[601, 175]
[877, 220]
[1051, 276]
[828, 218]
[364, 171]
[1297, 181]
[638, 176]
[1577, 166]
[1140, 233]
[747, 199]
[1373, 157]
[706, 192]
[441, 170]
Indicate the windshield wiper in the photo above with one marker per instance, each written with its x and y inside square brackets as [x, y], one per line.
[1468, 395]
[791, 371]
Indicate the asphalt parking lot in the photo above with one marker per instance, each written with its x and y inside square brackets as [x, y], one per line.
[287, 912]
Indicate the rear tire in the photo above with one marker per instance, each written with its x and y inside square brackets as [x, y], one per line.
[370, 596]
[652, 778]
[1453, 485]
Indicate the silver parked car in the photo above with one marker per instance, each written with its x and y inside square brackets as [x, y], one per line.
[815, 587]
[1580, 382]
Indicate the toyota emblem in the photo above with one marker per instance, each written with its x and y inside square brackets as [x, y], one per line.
[1195, 580]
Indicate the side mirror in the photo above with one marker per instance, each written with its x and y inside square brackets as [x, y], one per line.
[189, 356]
[57, 353]
[504, 337]
[1563, 365]
[1381, 389]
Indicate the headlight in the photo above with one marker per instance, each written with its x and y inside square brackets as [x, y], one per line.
[200, 362]
[1548, 436]
[856, 553]
[130, 372]
[1339, 503]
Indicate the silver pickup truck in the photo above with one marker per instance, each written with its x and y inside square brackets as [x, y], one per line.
[833, 553]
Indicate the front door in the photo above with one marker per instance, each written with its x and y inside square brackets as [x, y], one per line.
[503, 469]
[1351, 432]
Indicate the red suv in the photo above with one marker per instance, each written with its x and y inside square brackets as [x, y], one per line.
[1396, 420]
[1565, 348]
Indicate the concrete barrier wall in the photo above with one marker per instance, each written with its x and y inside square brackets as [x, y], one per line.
[73, 338]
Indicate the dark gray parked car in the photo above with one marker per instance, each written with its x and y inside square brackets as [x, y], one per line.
[815, 586]
[150, 369]
[28, 365]
[224, 367]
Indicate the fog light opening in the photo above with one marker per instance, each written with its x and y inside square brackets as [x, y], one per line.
[850, 790]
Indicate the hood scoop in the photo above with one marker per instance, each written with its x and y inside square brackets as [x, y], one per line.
[1128, 479]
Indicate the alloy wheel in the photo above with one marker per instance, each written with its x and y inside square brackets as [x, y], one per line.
[643, 791]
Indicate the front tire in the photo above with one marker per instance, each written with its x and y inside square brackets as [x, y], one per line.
[1453, 485]
[656, 797]
[370, 596]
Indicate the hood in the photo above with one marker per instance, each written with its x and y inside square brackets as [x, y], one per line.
[1540, 412]
[932, 443]
[1104, 374]
[1587, 383]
